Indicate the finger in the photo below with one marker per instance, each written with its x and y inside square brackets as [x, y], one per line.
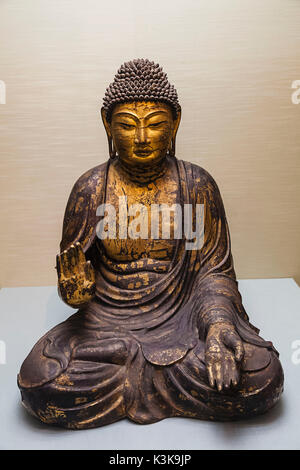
[239, 351]
[89, 272]
[218, 373]
[80, 254]
[65, 262]
[226, 375]
[72, 256]
[232, 373]
[233, 341]
[235, 377]
[75, 255]
[69, 260]
[211, 378]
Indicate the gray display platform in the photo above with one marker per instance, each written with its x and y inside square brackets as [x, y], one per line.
[27, 313]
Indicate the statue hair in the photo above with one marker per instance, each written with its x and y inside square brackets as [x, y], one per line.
[140, 80]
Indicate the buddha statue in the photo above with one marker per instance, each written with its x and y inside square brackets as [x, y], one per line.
[160, 329]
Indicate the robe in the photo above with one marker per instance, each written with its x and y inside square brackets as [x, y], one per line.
[140, 353]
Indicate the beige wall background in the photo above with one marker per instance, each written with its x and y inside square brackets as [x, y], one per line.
[232, 62]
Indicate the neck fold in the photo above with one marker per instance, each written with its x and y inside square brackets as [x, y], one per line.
[144, 174]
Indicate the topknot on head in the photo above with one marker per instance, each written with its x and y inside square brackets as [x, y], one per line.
[140, 80]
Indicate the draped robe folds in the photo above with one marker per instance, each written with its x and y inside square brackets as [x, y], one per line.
[140, 352]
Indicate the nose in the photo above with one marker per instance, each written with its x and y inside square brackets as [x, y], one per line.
[141, 136]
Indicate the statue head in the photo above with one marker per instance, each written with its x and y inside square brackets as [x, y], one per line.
[141, 114]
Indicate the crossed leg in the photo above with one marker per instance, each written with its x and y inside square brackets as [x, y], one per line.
[104, 377]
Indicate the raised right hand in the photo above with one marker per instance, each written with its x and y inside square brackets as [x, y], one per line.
[76, 276]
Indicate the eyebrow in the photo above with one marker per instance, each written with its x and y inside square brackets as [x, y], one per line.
[155, 113]
[133, 116]
[123, 113]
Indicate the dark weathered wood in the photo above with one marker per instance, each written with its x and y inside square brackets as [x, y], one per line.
[160, 330]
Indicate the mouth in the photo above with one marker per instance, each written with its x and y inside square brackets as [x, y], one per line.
[143, 152]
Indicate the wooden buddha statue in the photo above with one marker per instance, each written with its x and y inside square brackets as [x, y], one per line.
[160, 329]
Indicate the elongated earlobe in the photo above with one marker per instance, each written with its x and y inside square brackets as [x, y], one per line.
[111, 148]
[172, 148]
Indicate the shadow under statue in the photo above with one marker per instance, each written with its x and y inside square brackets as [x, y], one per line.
[160, 330]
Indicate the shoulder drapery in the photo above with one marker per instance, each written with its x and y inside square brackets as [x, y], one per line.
[199, 288]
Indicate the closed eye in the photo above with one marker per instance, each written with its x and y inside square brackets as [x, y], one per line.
[126, 126]
[156, 124]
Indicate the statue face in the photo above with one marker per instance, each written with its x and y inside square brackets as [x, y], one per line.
[142, 131]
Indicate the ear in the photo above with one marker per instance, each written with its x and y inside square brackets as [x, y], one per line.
[176, 124]
[172, 145]
[111, 150]
[106, 123]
